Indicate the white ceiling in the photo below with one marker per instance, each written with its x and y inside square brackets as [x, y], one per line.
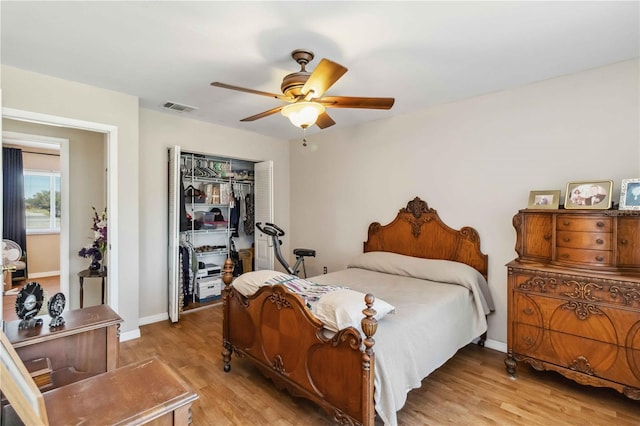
[421, 53]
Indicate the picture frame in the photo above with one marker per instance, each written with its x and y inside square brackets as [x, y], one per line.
[630, 194]
[590, 194]
[544, 199]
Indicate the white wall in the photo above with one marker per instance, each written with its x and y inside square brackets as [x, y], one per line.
[39, 93]
[474, 161]
[158, 132]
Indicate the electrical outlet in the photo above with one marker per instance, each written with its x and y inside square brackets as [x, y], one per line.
[324, 270]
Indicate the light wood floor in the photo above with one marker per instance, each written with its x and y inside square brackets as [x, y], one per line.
[470, 389]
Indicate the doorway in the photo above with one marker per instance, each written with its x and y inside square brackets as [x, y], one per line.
[45, 167]
[108, 134]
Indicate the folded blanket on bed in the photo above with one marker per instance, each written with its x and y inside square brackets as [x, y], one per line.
[309, 292]
[337, 306]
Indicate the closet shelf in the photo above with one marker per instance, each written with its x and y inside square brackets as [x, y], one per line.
[204, 205]
[208, 231]
[213, 252]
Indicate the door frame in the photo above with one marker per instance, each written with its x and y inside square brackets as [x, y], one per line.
[111, 135]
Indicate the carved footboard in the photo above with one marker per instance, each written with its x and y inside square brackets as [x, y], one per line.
[277, 333]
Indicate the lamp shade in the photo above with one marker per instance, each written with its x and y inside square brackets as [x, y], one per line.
[303, 114]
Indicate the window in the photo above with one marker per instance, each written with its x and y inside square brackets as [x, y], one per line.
[42, 201]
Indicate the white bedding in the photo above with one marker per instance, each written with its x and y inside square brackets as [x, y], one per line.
[432, 319]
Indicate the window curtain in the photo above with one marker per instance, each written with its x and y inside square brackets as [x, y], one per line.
[14, 222]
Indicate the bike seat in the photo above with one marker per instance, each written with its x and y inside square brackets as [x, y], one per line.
[302, 252]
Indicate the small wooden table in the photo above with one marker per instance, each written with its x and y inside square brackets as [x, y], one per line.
[87, 273]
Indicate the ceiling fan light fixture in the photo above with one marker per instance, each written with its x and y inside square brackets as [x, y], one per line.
[303, 114]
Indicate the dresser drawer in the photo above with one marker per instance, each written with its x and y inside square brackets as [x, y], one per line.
[584, 240]
[612, 293]
[578, 317]
[584, 224]
[527, 310]
[598, 359]
[588, 257]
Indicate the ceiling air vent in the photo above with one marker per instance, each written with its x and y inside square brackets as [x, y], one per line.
[178, 107]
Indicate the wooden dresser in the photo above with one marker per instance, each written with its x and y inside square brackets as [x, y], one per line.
[574, 296]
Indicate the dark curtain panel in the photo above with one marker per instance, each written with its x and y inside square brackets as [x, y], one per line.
[14, 222]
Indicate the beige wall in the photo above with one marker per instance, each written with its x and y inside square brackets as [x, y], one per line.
[43, 254]
[474, 161]
[28, 91]
[158, 132]
[87, 187]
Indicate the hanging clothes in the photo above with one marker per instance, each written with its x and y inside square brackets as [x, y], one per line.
[184, 273]
[184, 223]
[249, 219]
[234, 218]
[189, 270]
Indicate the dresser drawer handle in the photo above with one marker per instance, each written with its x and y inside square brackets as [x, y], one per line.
[566, 239]
[527, 311]
[566, 223]
[599, 241]
[528, 341]
[599, 258]
[547, 237]
[600, 224]
[624, 242]
[564, 256]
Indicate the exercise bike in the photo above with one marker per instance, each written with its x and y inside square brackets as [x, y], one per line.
[275, 233]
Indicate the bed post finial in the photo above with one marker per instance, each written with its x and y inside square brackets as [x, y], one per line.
[369, 328]
[227, 277]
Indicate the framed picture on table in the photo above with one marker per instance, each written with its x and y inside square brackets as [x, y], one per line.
[549, 199]
[595, 195]
[630, 194]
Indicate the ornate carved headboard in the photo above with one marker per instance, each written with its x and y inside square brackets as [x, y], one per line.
[418, 231]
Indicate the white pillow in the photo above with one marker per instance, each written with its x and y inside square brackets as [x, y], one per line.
[249, 282]
[343, 308]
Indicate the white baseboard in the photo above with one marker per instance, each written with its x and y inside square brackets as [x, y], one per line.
[154, 318]
[130, 335]
[495, 345]
[43, 274]
[135, 334]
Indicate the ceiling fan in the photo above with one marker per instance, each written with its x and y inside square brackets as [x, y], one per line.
[304, 91]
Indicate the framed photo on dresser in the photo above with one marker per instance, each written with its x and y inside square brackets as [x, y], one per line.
[630, 194]
[594, 195]
[548, 199]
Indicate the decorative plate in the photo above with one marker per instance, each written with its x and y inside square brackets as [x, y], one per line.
[29, 301]
[56, 304]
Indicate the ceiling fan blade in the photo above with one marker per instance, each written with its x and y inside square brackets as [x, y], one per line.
[324, 76]
[255, 92]
[263, 114]
[356, 102]
[324, 121]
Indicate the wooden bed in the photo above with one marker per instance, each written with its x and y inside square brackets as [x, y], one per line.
[273, 328]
